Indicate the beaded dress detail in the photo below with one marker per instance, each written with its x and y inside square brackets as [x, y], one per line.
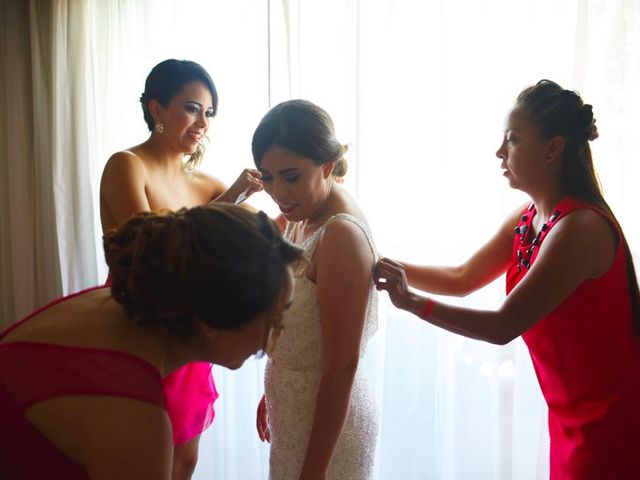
[293, 374]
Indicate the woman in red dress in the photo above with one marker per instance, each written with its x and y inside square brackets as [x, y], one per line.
[81, 393]
[572, 291]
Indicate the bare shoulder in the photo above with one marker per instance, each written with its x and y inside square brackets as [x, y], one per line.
[126, 157]
[589, 228]
[344, 238]
[588, 237]
[124, 164]
[209, 183]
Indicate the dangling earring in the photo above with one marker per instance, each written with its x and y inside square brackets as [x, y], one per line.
[159, 127]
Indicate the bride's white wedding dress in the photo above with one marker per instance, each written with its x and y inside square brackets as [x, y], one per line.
[292, 376]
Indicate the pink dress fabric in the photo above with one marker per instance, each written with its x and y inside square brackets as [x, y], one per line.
[190, 392]
[32, 372]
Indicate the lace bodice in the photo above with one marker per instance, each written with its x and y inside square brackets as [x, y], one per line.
[292, 377]
[300, 345]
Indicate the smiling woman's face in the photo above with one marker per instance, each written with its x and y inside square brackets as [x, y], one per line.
[187, 117]
[295, 182]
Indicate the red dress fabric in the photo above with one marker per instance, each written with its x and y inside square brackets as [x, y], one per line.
[190, 392]
[587, 363]
[31, 372]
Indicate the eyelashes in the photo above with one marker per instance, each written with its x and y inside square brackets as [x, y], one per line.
[286, 178]
[195, 109]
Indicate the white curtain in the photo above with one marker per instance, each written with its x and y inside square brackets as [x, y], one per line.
[419, 89]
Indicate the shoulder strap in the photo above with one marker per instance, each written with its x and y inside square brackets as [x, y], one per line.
[312, 242]
[33, 372]
[50, 304]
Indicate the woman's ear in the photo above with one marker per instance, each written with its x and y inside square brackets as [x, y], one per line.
[155, 109]
[327, 169]
[555, 148]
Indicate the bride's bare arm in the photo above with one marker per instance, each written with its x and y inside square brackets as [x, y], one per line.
[343, 261]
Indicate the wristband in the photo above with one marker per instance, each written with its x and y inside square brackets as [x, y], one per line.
[428, 307]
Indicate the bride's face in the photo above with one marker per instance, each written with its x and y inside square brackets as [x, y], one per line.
[295, 182]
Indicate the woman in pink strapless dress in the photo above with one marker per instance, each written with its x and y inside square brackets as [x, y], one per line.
[81, 394]
[179, 100]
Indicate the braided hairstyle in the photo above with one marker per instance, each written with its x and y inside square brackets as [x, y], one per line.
[556, 111]
[219, 264]
[165, 81]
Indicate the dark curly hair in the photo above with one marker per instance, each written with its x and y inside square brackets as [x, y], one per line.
[303, 128]
[556, 111]
[165, 80]
[217, 263]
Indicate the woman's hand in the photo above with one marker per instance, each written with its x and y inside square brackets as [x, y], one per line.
[262, 421]
[248, 183]
[390, 276]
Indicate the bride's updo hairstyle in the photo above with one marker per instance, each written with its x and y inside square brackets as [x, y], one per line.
[303, 128]
[219, 264]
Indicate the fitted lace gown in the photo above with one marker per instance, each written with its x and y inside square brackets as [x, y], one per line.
[292, 376]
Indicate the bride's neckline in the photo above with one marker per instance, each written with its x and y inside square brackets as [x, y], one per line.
[296, 226]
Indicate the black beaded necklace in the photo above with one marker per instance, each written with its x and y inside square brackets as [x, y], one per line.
[526, 251]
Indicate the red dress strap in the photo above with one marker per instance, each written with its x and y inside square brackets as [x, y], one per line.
[48, 305]
[527, 246]
[32, 372]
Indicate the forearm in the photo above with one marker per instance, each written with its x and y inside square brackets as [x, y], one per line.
[437, 280]
[490, 326]
[332, 407]
[226, 196]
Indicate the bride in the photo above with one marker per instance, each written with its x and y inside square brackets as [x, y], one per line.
[317, 411]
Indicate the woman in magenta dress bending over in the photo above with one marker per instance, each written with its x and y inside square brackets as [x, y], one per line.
[81, 393]
[572, 291]
[179, 100]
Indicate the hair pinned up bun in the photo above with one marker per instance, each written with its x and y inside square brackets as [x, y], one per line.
[220, 264]
[301, 127]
